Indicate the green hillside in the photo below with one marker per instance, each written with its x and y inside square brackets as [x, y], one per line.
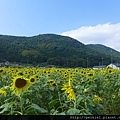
[51, 49]
[106, 50]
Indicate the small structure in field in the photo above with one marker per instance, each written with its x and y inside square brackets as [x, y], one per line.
[99, 67]
[114, 66]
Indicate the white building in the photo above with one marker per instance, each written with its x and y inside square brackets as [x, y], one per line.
[115, 65]
[99, 67]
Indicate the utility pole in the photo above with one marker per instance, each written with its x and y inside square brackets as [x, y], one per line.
[102, 61]
[99, 63]
[111, 59]
[87, 62]
[67, 63]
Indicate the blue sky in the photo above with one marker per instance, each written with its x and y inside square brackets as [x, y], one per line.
[89, 21]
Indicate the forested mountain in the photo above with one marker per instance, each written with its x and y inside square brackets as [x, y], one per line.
[52, 49]
[105, 50]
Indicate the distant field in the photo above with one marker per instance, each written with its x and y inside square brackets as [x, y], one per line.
[59, 91]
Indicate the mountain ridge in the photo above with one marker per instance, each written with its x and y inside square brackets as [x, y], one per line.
[52, 49]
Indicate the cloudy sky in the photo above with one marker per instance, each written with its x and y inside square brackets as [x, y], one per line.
[89, 21]
[107, 34]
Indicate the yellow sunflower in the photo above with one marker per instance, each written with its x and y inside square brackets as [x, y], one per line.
[20, 84]
[90, 75]
[3, 92]
[1, 70]
[32, 79]
[113, 96]
[97, 99]
[52, 83]
[69, 91]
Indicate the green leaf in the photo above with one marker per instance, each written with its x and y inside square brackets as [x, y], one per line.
[100, 106]
[73, 111]
[39, 109]
[55, 112]
[27, 101]
[52, 103]
[5, 107]
[79, 98]
[87, 111]
[62, 113]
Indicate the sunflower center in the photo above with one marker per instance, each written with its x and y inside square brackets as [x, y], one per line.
[20, 73]
[1, 71]
[32, 79]
[20, 83]
[90, 74]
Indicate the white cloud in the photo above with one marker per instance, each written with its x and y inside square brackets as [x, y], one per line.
[107, 34]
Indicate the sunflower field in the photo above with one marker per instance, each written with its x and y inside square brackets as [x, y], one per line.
[59, 91]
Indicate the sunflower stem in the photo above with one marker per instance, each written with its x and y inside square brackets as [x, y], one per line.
[60, 101]
[21, 108]
[75, 104]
